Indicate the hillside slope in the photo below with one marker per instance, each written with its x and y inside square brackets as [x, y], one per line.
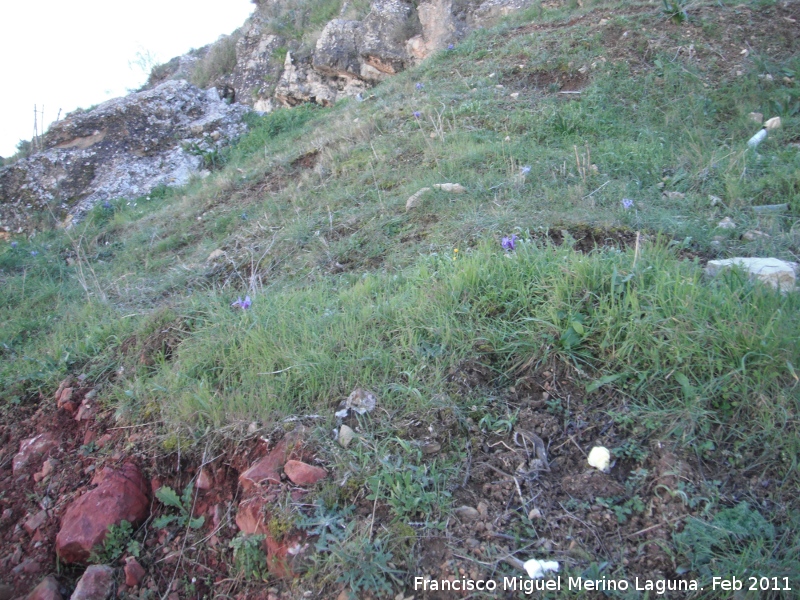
[611, 140]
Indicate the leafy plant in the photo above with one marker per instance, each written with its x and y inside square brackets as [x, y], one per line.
[117, 542]
[249, 556]
[168, 497]
[675, 10]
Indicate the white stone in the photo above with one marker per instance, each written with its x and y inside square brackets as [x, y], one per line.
[600, 458]
[537, 568]
[416, 199]
[779, 274]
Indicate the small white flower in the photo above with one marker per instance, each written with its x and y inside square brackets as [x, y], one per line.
[537, 568]
[600, 459]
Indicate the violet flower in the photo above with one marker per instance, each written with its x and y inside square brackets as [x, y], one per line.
[417, 114]
[13, 245]
[34, 253]
[243, 304]
[450, 46]
[525, 170]
[509, 243]
[627, 203]
[419, 86]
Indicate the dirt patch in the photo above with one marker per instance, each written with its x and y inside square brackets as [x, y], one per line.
[551, 81]
[306, 161]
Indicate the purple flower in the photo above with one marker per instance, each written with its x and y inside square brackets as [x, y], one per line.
[13, 245]
[417, 114]
[525, 170]
[450, 46]
[34, 253]
[627, 203]
[419, 86]
[509, 243]
[243, 304]
[106, 204]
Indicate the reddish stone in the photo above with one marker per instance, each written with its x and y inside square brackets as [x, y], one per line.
[86, 410]
[302, 474]
[122, 496]
[70, 407]
[204, 480]
[61, 387]
[46, 590]
[88, 437]
[104, 439]
[36, 521]
[284, 556]
[267, 469]
[33, 449]
[134, 573]
[251, 517]
[64, 397]
[155, 484]
[48, 466]
[97, 583]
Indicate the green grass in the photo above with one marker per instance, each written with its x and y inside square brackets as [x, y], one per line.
[351, 290]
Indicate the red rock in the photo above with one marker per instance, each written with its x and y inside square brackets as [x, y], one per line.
[251, 517]
[88, 437]
[48, 466]
[36, 521]
[204, 480]
[155, 484]
[86, 410]
[97, 583]
[267, 469]
[62, 386]
[33, 449]
[46, 590]
[284, 556]
[64, 397]
[70, 407]
[302, 474]
[104, 439]
[134, 573]
[122, 495]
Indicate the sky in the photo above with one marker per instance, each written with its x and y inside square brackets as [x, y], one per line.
[72, 54]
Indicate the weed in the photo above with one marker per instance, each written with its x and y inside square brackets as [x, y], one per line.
[117, 542]
[249, 556]
[675, 10]
[183, 504]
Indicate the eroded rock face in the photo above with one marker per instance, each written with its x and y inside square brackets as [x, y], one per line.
[120, 495]
[258, 64]
[123, 148]
[33, 450]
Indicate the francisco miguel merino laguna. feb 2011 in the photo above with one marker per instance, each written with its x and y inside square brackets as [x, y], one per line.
[528, 586]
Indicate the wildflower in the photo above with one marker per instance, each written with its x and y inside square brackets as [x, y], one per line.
[455, 253]
[524, 170]
[243, 304]
[417, 114]
[13, 245]
[419, 86]
[106, 204]
[509, 243]
[450, 46]
[34, 253]
[627, 203]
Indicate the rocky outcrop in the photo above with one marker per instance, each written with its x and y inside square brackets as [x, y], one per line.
[779, 274]
[33, 450]
[123, 148]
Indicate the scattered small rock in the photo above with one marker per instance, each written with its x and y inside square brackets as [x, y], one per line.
[35, 522]
[300, 473]
[215, 255]
[360, 401]
[453, 188]
[674, 195]
[204, 480]
[134, 572]
[715, 200]
[467, 513]
[726, 223]
[753, 235]
[345, 436]
[756, 117]
[536, 569]
[266, 470]
[416, 199]
[773, 123]
[600, 459]
[33, 449]
[97, 583]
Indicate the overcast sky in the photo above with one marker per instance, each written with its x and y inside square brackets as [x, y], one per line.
[65, 54]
